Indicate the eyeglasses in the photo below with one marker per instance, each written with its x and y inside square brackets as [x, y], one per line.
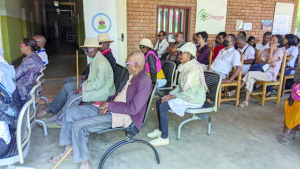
[88, 50]
[129, 63]
[143, 47]
[160, 35]
[101, 43]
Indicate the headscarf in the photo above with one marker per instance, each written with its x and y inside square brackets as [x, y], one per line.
[191, 74]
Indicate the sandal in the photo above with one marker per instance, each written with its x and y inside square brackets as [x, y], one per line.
[244, 104]
[286, 141]
[53, 125]
[55, 159]
[231, 93]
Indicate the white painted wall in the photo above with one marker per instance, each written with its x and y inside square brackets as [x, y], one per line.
[2, 7]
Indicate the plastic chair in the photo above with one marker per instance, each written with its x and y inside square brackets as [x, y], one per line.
[20, 142]
[130, 132]
[213, 82]
[211, 52]
[262, 95]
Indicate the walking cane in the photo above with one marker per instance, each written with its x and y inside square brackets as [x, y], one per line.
[62, 159]
[77, 71]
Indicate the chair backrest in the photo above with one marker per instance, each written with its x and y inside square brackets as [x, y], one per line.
[23, 127]
[43, 69]
[239, 77]
[36, 93]
[118, 70]
[211, 51]
[213, 82]
[150, 100]
[282, 70]
[257, 54]
[169, 71]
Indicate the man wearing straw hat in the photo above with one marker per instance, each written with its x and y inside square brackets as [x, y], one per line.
[120, 110]
[98, 86]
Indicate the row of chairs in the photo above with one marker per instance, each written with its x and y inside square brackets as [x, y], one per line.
[20, 141]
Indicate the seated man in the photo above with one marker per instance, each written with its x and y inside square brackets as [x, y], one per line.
[227, 59]
[98, 86]
[162, 44]
[248, 51]
[105, 41]
[128, 106]
[41, 42]
[265, 43]
[172, 53]
[219, 41]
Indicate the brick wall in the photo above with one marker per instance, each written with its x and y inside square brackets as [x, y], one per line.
[142, 15]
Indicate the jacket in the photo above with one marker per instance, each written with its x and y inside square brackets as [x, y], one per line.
[137, 97]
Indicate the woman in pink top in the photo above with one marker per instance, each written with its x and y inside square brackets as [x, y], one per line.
[273, 57]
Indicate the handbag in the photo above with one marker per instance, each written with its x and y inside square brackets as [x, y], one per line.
[260, 67]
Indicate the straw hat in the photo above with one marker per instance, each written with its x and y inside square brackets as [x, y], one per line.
[91, 43]
[104, 38]
[188, 47]
[145, 42]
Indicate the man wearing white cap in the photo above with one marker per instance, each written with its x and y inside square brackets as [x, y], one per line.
[98, 86]
[190, 93]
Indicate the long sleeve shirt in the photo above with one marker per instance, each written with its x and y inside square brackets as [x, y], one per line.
[137, 96]
[100, 83]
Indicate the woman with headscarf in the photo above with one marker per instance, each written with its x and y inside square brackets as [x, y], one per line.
[190, 93]
[30, 67]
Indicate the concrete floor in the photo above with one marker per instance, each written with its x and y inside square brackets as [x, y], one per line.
[240, 138]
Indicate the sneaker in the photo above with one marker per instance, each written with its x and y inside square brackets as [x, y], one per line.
[154, 134]
[160, 141]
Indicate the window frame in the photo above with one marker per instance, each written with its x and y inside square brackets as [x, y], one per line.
[186, 20]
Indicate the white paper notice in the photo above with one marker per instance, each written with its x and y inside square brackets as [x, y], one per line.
[247, 26]
[280, 25]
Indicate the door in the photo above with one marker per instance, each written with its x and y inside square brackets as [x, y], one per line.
[102, 16]
[122, 30]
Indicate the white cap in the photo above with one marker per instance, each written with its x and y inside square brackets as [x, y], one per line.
[188, 47]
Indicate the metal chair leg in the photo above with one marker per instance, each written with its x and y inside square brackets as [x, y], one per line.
[209, 128]
[120, 144]
[182, 123]
[44, 126]
[45, 98]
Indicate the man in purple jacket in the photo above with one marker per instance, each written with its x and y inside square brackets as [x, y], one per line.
[128, 106]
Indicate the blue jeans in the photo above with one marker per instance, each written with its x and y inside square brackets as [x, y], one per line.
[162, 115]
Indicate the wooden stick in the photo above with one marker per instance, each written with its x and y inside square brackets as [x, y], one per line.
[62, 159]
[77, 71]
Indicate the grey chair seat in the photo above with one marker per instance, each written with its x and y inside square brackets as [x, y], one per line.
[207, 107]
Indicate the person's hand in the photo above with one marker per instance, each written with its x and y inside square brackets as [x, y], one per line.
[78, 91]
[226, 81]
[166, 98]
[273, 46]
[103, 107]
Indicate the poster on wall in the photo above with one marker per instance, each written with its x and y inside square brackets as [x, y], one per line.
[101, 17]
[247, 27]
[266, 25]
[208, 18]
[280, 25]
[283, 18]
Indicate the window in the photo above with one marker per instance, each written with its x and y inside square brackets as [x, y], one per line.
[173, 19]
